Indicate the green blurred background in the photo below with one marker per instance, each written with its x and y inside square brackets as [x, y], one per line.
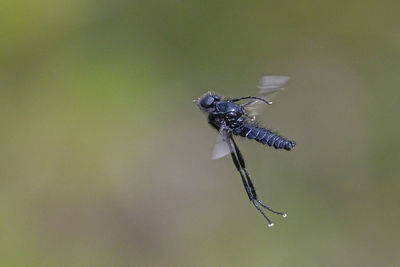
[105, 160]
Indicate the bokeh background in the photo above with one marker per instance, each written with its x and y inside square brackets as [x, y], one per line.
[105, 160]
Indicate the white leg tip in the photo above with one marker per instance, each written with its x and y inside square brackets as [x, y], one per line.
[271, 224]
[284, 215]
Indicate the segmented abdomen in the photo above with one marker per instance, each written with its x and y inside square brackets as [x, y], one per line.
[264, 136]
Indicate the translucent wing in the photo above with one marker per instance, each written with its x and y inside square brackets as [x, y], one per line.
[271, 84]
[221, 147]
[267, 86]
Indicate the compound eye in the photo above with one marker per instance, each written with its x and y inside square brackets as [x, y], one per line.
[207, 101]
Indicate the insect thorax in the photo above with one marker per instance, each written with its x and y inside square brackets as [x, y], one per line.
[227, 113]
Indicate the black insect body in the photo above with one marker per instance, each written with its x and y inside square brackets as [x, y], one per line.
[230, 118]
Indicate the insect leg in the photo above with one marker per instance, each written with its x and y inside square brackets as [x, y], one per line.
[237, 165]
[252, 97]
[270, 224]
[250, 182]
[283, 214]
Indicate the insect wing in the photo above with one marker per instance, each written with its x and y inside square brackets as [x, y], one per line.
[271, 84]
[267, 86]
[221, 147]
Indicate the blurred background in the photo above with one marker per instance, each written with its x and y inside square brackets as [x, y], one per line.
[105, 160]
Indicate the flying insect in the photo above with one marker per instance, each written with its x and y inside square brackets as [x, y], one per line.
[237, 117]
